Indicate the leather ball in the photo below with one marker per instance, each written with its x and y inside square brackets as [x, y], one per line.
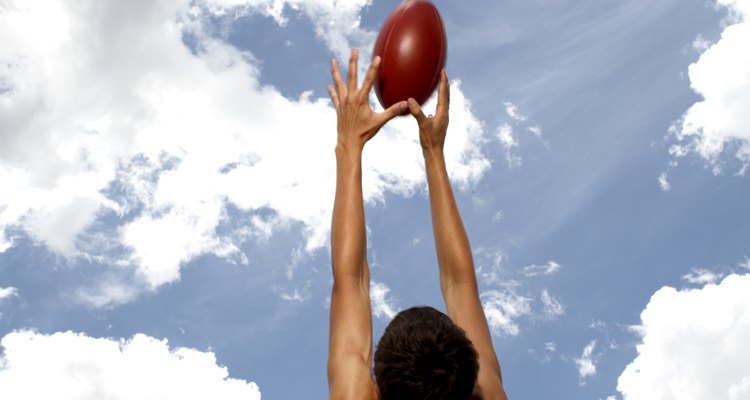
[413, 46]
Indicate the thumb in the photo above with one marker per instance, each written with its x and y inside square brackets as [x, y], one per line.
[392, 112]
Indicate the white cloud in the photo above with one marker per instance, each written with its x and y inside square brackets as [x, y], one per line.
[106, 293]
[508, 136]
[8, 292]
[694, 344]
[545, 354]
[336, 22]
[701, 44]
[505, 135]
[598, 325]
[502, 309]
[72, 366]
[739, 10]
[490, 266]
[718, 124]
[702, 276]
[552, 308]
[512, 111]
[740, 391]
[586, 364]
[549, 268]
[298, 294]
[143, 133]
[536, 130]
[664, 182]
[504, 304]
[498, 216]
[383, 306]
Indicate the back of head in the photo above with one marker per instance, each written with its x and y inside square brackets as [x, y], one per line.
[424, 355]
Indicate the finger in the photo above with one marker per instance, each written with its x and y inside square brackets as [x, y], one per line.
[334, 97]
[372, 72]
[443, 95]
[337, 80]
[352, 75]
[416, 111]
[392, 112]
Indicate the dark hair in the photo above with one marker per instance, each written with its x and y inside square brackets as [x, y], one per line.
[424, 355]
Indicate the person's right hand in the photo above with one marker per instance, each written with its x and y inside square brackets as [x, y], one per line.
[432, 129]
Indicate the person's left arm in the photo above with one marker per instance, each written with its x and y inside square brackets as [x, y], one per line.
[350, 341]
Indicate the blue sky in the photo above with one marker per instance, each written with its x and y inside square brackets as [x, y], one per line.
[167, 180]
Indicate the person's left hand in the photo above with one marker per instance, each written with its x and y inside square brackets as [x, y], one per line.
[357, 122]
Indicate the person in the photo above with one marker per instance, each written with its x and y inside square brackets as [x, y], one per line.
[423, 353]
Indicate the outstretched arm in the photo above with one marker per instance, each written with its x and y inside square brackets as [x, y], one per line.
[457, 278]
[350, 341]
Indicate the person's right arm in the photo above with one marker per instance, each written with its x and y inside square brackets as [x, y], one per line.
[455, 261]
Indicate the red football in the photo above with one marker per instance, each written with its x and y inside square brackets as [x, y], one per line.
[413, 46]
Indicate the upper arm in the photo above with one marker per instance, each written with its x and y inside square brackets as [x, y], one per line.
[350, 341]
[465, 309]
[352, 381]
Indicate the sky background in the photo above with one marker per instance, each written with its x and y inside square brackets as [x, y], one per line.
[167, 176]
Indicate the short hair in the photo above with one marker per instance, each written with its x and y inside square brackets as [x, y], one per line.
[424, 355]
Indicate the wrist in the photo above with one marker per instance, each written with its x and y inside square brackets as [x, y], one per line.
[346, 153]
[433, 153]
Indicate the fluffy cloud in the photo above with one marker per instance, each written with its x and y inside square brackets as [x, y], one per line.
[8, 292]
[512, 110]
[664, 182]
[586, 364]
[549, 268]
[702, 276]
[74, 366]
[509, 132]
[383, 306]
[506, 301]
[503, 308]
[718, 124]
[108, 117]
[508, 141]
[337, 22]
[694, 344]
[551, 307]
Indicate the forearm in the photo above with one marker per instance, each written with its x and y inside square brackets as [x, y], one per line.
[351, 322]
[451, 242]
[348, 243]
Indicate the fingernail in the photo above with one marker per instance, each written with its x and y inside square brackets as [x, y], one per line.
[376, 60]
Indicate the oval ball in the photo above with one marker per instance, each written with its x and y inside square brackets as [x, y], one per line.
[413, 46]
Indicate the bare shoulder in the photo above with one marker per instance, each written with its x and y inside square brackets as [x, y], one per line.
[351, 380]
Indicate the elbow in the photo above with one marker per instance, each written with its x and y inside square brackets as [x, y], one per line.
[453, 285]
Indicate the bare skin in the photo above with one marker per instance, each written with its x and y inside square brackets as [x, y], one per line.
[350, 342]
